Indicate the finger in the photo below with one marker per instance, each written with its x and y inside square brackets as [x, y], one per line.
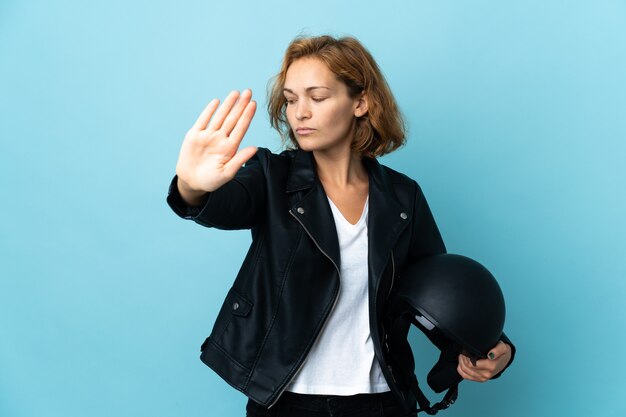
[240, 158]
[469, 373]
[463, 359]
[465, 363]
[478, 370]
[243, 123]
[223, 111]
[499, 350]
[466, 360]
[206, 114]
[486, 366]
[236, 112]
[460, 371]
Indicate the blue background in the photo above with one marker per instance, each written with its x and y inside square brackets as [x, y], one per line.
[517, 125]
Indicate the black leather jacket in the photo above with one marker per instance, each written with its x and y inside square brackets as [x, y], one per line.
[290, 278]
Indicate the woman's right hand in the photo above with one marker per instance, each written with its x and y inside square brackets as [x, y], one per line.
[208, 156]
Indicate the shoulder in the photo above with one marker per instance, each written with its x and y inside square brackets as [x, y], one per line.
[276, 168]
[264, 156]
[398, 179]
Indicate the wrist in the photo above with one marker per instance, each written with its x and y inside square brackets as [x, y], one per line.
[191, 196]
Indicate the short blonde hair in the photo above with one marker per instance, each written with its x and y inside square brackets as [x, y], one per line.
[381, 130]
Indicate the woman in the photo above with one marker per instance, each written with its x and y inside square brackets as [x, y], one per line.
[302, 330]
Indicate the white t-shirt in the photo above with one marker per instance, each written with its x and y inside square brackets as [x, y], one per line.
[342, 360]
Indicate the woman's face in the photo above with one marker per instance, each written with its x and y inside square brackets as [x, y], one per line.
[320, 112]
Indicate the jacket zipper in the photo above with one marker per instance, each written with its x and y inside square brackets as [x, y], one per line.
[327, 315]
[393, 274]
[389, 368]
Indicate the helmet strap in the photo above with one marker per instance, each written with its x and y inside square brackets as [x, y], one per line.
[448, 399]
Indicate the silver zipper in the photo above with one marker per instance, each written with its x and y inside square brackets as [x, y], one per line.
[393, 273]
[326, 319]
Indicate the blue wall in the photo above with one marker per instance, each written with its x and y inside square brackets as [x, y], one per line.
[517, 128]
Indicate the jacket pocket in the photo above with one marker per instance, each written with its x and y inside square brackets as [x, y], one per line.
[234, 329]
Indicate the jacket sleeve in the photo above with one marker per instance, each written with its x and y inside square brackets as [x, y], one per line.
[235, 205]
[425, 237]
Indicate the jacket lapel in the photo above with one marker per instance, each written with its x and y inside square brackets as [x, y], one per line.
[313, 210]
[386, 220]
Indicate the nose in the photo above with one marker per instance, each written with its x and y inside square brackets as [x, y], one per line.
[302, 111]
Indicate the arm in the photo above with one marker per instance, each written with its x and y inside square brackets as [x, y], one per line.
[210, 187]
[235, 205]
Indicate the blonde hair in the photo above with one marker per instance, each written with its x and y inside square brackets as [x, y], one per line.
[381, 130]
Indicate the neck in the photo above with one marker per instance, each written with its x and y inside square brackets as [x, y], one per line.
[340, 168]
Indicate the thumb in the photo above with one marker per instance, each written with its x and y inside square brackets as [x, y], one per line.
[497, 351]
[239, 159]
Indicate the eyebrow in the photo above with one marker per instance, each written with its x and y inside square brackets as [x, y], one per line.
[307, 89]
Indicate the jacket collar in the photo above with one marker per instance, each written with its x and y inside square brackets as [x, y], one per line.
[302, 172]
[387, 218]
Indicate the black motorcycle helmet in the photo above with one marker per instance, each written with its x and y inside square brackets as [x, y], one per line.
[457, 303]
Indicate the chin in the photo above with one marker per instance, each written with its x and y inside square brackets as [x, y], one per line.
[306, 145]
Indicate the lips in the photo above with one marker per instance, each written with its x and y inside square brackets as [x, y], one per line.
[304, 130]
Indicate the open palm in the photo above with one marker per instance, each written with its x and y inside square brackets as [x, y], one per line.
[209, 155]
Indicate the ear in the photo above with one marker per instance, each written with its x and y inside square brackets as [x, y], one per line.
[361, 105]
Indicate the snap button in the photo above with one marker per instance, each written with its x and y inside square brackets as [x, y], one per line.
[300, 210]
[403, 215]
[235, 306]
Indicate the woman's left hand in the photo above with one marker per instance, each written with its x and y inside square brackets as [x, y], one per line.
[485, 369]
